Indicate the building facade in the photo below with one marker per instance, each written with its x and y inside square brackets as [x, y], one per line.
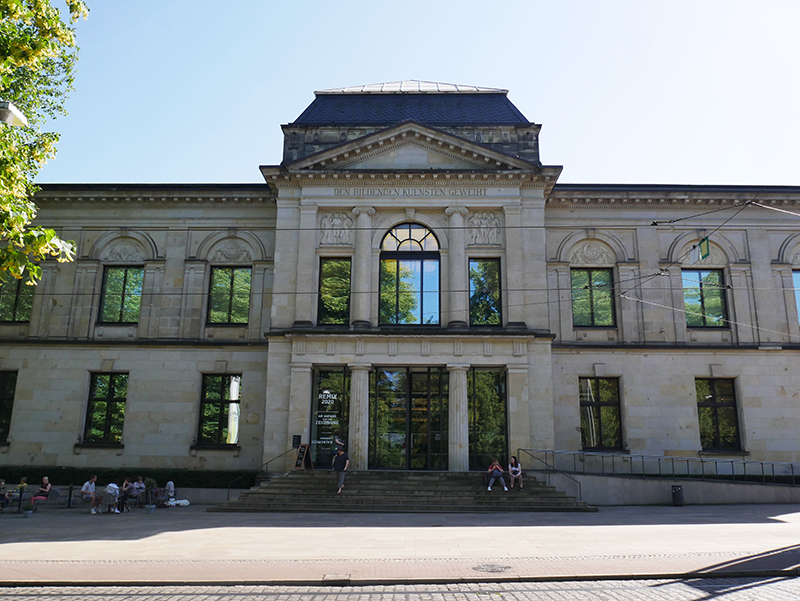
[412, 280]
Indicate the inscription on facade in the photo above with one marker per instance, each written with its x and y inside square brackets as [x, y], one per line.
[401, 191]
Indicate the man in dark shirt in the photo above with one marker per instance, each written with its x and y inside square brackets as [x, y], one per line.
[340, 463]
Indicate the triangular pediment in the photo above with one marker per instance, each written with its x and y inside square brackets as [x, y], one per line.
[409, 146]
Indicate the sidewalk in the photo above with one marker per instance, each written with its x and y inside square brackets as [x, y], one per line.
[188, 545]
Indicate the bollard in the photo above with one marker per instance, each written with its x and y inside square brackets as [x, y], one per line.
[677, 496]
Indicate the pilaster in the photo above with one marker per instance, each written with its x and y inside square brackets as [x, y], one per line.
[457, 288]
[361, 267]
[305, 266]
[358, 434]
[457, 418]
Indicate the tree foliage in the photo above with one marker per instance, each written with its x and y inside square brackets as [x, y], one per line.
[37, 62]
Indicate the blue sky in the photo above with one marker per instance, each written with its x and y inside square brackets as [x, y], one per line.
[682, 92]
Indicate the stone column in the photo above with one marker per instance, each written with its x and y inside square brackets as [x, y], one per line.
[458, 419]
[299, 402]
[515, 270]
[519, 410]
[358, 431]
[458, 289]
[305, 266]
[361, 267]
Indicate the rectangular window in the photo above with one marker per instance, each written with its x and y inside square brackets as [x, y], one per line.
[219, 410]
[704, 298]
[593, 298]
[330, 414]
[8, 385]
[601, 418]
[122, 294]
[796, 284]
[716, 411]
[229, 299]
[484, 292]
[16, 300]
[334, 292]
[107, 396]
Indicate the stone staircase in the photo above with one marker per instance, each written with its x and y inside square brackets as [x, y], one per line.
[396, 492]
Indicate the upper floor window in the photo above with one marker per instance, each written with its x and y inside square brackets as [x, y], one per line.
[409, 276]
[716, 412]
[8, 385]
[601, 417]
[122, 294]
[484, 292]
[108, 393]
[334, 292]
[229, 297]
[704, 298]
[16, 300]
[593, 297]
[796, 284]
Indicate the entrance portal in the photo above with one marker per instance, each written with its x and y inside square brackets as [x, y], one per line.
[408, 418]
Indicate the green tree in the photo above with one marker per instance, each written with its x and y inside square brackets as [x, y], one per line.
[37, 62]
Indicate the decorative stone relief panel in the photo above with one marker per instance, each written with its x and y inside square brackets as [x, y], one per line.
[592, 252]
[231, 251]
[484, 229]
[125, 251]
[715, 257]
[335, 229]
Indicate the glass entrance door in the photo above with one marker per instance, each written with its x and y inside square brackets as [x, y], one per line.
[408, 418]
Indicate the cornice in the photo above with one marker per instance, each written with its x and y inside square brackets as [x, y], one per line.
[156, 200]
[514, 178]
[683, 199]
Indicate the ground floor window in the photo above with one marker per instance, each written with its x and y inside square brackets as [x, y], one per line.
[408, 418]
[486, 398]
[716, 412]
[330, 414]
[219, 410]
[8, 385]
[106, 412]
[601, 421]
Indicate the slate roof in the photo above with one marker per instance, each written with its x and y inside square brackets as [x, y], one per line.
[428, 103]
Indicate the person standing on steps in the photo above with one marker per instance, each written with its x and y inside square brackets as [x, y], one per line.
[340, 463]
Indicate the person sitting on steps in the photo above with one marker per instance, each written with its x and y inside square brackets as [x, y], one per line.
[514, 472]
[495, 472]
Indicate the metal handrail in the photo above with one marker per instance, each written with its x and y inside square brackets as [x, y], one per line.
[664, 466]
[551, 469]
[255, 471]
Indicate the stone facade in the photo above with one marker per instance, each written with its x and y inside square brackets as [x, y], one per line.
[337, 194]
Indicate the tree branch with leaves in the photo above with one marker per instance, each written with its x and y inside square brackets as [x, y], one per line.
[37, 63]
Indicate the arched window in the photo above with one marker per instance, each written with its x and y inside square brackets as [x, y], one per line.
[409, 278]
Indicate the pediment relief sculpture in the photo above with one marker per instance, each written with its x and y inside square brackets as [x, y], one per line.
[231, 251]
[125, 251]
[409, 155]
[592, 253]
[484, 229]
[335, 229]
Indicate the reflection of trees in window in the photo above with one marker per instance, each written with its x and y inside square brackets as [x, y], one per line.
[487, 417]
[8, 384]
[16, 300]
[601, 421]
[334, 292]
[122, 294]
[107, 396]
[229, 297]
[484, 292]
[409, 276]
[219, 410]
[796, 284]
[592, 297]
[704, 298]
[716, 411]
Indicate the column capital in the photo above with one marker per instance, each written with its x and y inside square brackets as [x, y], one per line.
[363, 211]
[301, 367]
[458, 366]
[457, 210]
[359, 366]
[309, 209]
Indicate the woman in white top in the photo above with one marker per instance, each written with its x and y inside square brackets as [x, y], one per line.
[515, 472]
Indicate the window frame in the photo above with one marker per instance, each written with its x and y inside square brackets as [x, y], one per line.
[20, 287]
[108, 437]
[582, 403]
[6, 403]
[223, 403]
[230, 296]
[123, 296]
[498, 293]
[716, 406]
[320, 304]
[724, 320]
[591, 292]
[421, 256]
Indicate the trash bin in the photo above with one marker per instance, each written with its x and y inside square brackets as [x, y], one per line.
[677, 496]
